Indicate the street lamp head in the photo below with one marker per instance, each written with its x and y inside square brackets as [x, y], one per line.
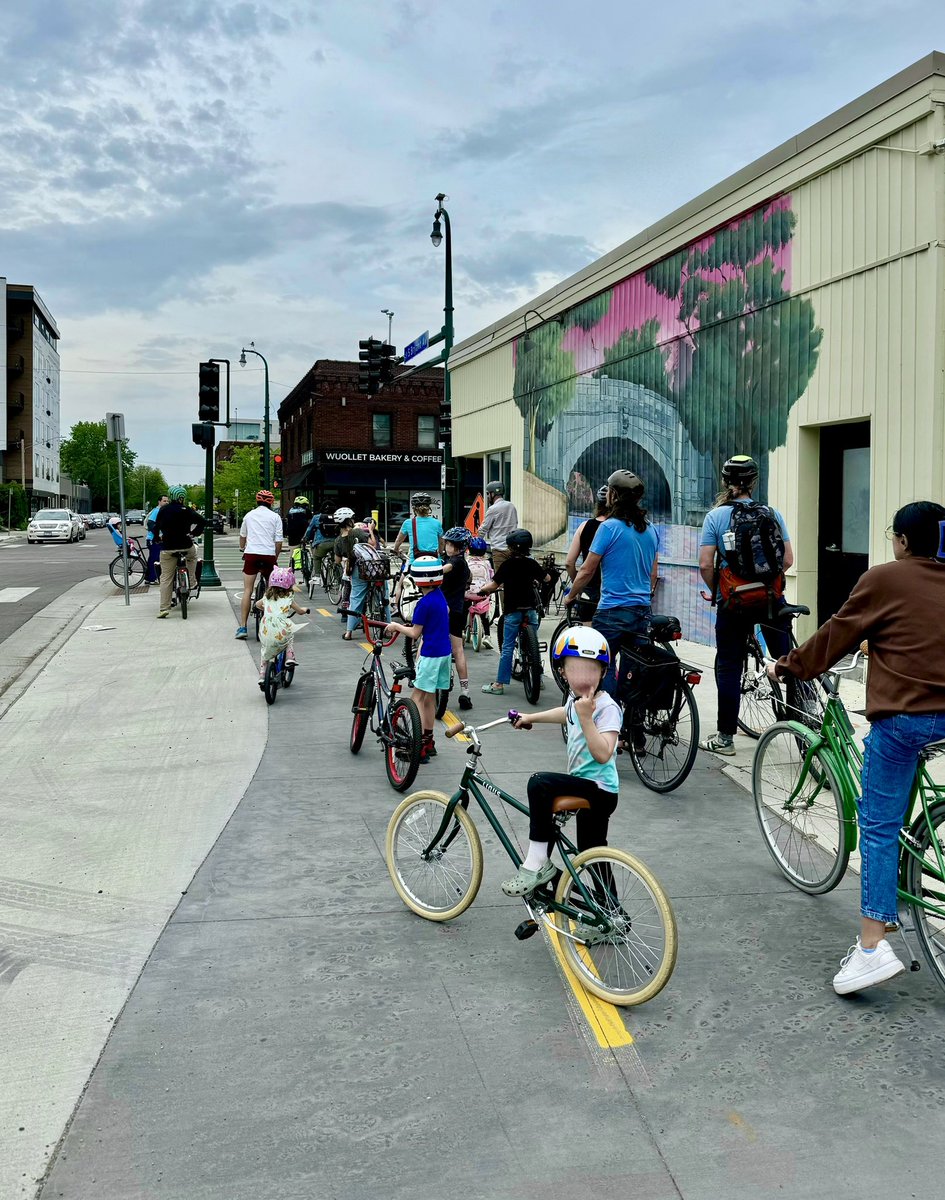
[242, 358]
[436, 237]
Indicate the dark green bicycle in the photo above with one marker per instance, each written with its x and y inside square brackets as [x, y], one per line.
[806, 784]
[613, 921]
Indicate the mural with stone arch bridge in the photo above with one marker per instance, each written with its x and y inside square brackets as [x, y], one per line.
[700, 356]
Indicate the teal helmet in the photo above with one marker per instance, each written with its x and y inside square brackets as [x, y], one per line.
[177, 493]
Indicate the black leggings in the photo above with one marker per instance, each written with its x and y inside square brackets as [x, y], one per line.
[592, 822]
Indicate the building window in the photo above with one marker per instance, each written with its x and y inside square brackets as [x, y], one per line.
[381, 424]
[426, 431]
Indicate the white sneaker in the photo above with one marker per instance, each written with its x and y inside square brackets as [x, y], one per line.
[861, 970]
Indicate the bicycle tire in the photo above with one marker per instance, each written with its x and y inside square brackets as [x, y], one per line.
[433, 889]
[270, 682]
[912, 861]
[660, 729]
[531, 663]
[306, 564]
[137, 570]
[183, 593]
[402, 752]
[288, 675]
[760, 698]
[377, 611]
[333, 583]
[811, 851]
[475, 633]
[803, 702]
[603, 968]
[362, 708]
[258, 592]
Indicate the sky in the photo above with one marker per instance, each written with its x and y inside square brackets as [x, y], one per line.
[180, 177]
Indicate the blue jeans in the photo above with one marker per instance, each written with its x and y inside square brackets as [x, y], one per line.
[613, 623]
[889, 766]
[514, 621]
[359, 591]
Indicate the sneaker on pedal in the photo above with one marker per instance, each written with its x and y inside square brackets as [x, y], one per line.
[465, 700]
[526, 881]
[862, 969]
[719, 743]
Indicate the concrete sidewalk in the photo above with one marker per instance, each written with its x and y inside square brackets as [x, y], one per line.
[122, 762]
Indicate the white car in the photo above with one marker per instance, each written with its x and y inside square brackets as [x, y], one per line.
[80, 525]
[53, 525]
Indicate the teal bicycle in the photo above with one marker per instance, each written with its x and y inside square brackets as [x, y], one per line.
[613, 922]
[806, 784]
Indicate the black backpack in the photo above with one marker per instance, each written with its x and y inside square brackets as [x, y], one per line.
[758, 553]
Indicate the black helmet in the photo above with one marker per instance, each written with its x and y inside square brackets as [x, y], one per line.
[740, 469]
[420, 500]
[625, 481]
[520, 538]
[495, 488]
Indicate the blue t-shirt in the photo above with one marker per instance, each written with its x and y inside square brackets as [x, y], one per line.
[152, 516]
[627, 559]
[429, 532]
[718, 521]
[433, 614]
[608, 718]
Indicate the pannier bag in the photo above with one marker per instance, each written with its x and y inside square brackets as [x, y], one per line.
[654, 677]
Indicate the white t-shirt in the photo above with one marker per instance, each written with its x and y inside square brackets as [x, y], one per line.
[608, 717]
[262, 529]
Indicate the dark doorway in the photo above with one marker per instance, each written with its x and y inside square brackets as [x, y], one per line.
[606, 455]
[844, 525]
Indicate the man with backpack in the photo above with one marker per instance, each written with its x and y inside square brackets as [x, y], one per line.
[744, 552]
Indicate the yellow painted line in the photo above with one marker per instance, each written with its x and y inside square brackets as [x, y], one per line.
[603, 1018]
[450, 718]
[366, 646]
[323, 611]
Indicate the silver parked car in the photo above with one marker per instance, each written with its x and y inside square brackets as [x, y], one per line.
[53, 525]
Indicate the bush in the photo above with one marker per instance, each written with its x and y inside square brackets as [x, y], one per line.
[12, 506]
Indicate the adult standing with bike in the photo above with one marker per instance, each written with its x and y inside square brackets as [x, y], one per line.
[500, 520]
[744, 553]
[625, 548]
[175, 527]
[261, 543]
[897, 609]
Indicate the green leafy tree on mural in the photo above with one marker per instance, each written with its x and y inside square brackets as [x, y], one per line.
[637, 357]
[752, 347]
[544, 383]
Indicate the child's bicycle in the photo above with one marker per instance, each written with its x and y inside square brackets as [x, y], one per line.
[380, 707]
[806, 786]
[613, 921]
[279, 673]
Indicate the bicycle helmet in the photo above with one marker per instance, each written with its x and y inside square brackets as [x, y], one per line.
[478, 545]
[420, 500]
[602, 492]
[625, 481]
[265, 497]
[303, 500]
[427, 571]
[282, 577]
[495, 488]
[177, 493]
[458, 535]
[581, 642]
[739, 469]
[342, 514]
[520, 538]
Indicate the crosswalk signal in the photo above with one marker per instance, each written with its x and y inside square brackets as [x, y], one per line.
[386, 355]
[369, 366]
[209, 391]
[446, 421]
[203, 435]
[276, 472]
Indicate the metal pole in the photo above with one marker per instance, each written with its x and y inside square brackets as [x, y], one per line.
[449, 500]
[208, 573]
[267, 465]
[124, 531]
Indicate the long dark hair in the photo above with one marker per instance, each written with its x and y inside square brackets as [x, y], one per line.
[923, 523]
[626, 507]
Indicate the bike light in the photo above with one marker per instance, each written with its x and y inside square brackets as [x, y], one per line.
[693, 678]
[677, 637]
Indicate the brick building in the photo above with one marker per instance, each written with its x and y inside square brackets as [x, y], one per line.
[367, 452]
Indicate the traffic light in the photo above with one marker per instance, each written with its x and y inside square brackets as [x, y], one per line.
[386, 355]
[209, 391]
[276, 472]
[203, 435]
[369, 366]
[446, 421]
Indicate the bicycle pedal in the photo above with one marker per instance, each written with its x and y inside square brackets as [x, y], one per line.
[526, 930]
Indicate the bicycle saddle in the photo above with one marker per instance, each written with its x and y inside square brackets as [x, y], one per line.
[664, 629]
[562, 804]
[404, 673]
[932, 749]
[794, 610]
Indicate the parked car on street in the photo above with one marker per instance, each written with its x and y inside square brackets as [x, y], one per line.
[134, 516]
[79, 525]
[52, 525]
[96, 520]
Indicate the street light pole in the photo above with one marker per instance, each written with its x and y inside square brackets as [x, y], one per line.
[436, 237]
[267, 464]
[390, 322]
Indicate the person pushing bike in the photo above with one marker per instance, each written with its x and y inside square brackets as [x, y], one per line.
[175, 527]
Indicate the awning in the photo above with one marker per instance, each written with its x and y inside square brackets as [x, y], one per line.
[297, 477]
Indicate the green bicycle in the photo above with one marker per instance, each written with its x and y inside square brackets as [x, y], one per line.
[806, 785]
[613, 921]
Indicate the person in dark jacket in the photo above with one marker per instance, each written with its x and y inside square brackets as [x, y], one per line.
[897, 609]
[176, 526]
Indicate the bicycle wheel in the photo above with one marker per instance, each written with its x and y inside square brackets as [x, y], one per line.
[270, 682]
[288, 675]
[306, 564]
[362, 708]
[760, 702]
[803, 702]
[137, 569]
[663, 742]
[402, 751]
[923, 878]
[633, 962]
[258, 592]
[444, 884]
[475, 632]
[443, 697]
[800, 808]
[195, 590]
[377, 611]
[333, 583]
[556, 673]
[183, 593]
[531, 663]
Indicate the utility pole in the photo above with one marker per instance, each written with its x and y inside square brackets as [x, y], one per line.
[115, 432]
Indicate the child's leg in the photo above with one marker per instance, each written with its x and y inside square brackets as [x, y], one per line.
[543, 788]
[592, 823]
[459, 657]
[426, 703]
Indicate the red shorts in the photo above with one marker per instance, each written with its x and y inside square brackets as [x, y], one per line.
[254, 564]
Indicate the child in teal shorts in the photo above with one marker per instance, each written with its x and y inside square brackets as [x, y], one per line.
[431, 620]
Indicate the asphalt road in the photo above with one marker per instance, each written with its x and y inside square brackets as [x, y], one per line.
[33, 576]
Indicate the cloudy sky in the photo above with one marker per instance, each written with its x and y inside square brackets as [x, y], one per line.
[181, 176]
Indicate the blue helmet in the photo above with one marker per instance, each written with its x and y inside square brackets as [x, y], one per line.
[458, 535]
[478, 545]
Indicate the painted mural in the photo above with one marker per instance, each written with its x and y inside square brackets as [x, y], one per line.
[671, 371]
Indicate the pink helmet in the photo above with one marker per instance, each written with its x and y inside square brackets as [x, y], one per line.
[282, 577]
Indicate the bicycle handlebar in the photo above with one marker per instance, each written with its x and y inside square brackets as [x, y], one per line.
[347, 612]
[452, 730]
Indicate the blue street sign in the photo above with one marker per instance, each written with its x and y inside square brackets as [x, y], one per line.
[417, 346]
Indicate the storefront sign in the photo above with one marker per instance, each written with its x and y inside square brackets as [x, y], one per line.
[374, 458]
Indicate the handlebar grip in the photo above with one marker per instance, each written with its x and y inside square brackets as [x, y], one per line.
[452, 730]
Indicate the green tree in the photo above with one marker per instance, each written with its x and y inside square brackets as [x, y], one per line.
[88, 457]
[637, 357]
[144, 486]
[586, 315]
[196, 495]
[239, 474]
[544, 383]
[12, 505]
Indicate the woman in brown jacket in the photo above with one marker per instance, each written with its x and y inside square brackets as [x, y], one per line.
[899, 609]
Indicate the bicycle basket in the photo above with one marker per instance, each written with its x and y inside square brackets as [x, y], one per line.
[654, 677]
[373, 567]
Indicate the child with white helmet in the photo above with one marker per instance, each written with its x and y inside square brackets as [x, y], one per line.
[593, 720]
[276, 630]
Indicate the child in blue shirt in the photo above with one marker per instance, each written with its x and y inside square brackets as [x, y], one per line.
[593, 719]
[431, 620]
